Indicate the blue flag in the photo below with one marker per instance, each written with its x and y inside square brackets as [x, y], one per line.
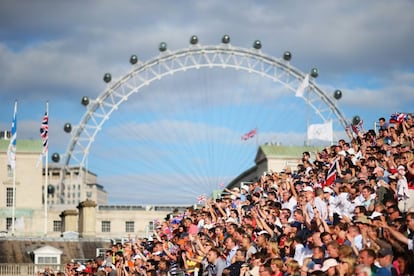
[11, 151]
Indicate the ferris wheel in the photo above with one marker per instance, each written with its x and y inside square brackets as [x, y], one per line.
[195, 56]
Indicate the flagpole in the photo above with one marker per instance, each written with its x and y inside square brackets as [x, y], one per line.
[46, 153]
[14, 201]
[307, 119]
[14, 167]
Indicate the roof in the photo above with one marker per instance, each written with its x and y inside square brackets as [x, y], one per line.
[47, 250]
[21, 250]
[22, 145]
[267, 152]
[272, 151]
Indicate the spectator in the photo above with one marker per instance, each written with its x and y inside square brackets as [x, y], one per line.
[300, 251]
[239, 260]
[276, 264]
[314, 262]
[292, 267]
[216, 264]
[385, 258]
[231, 249]
[110, 270]
[332, 248]
[367, 257]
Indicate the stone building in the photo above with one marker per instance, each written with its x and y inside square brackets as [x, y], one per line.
[64, 202]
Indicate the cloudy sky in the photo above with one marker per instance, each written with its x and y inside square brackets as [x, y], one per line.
[179, 137]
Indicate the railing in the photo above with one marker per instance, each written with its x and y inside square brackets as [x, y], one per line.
[27, 269]
[33, 269]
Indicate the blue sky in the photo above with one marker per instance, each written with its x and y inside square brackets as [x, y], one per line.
[180, 136]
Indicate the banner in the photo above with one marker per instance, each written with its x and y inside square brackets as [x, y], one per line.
[322, 132]
[302, 86]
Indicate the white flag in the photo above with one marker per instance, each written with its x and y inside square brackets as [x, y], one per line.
[302, 86]
[322, 132]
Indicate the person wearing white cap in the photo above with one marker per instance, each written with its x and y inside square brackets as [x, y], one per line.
[402, 188]
[328, 266]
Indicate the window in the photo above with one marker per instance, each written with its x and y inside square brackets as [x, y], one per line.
[57, 226]
[151, 226]
[10, 171]
[8, 223]
[9, 197]
[129, 227]
[106, 226]
[47, 260]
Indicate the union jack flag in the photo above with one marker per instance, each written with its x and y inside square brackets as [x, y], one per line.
[44, 130]
[357, 128]
[201, 198]
[331, 175]
[397, 118]
[249, 134]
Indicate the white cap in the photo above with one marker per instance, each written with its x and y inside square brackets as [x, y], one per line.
[400, 167]
[328, 190]
[231, 220]
[307, 189]
[262, 232]
[245, 187]
[375, 214]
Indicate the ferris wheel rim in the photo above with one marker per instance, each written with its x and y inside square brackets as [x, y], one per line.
[233, 53]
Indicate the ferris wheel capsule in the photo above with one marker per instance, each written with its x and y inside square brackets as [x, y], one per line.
[225, 39]
[257, 44]
[194, 40]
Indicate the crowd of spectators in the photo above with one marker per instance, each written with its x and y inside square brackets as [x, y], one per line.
[344, 210]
